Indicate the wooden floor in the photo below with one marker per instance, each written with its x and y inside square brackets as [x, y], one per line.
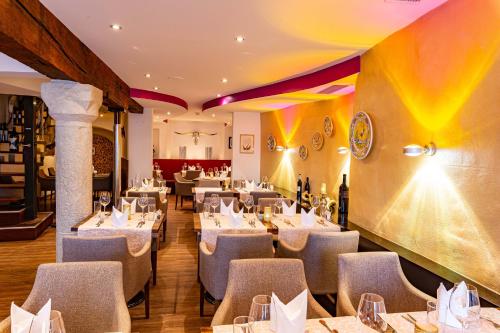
[174, 300]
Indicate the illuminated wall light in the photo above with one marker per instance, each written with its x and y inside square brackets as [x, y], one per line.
[282, 148]
[342, 150]
[417, 150]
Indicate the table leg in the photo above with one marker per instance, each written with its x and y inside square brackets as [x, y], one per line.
[198, 239]
[154, 260]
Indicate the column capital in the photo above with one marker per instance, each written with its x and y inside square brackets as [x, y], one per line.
[72, 101]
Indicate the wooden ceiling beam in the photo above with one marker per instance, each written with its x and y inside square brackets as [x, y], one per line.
[31, 34]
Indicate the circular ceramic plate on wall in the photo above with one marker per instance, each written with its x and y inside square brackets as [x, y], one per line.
[271, 143]
[328, 126]
[361, 135]
[317, 141]
[303, 152]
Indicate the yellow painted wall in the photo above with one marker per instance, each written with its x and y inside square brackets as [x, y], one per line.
[295, 126]
[438, 79]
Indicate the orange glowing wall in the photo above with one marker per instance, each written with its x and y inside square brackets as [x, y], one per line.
[294, 126]
[436, 80]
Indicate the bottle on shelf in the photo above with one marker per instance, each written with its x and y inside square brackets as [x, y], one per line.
[5, 133]
[13, 141]
[307, 186]
[2, 125]
[343, 202]
[299, 192]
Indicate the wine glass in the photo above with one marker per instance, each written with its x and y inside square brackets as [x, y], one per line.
[256, 210]
[104, 200]
[265, 180]
[56, 325]
[315, 202]
[214, 202]
[369, 309]
[243, 324]
[279, 205]
[464, 304]
[248, 203]
[143, 202]
[260, 310]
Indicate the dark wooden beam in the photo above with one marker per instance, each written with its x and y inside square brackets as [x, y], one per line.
[31, 34]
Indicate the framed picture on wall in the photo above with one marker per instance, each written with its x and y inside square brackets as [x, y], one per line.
[247, 144]
[230, 142]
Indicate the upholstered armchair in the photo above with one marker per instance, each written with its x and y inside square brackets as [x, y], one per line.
[270, 202]
[182, 188]
[379, 273]
[250, 277]
[160, 204]
[208, 183]
[226, 200]
[320, 255]
[89, 296]
[136, 266]
[214, 264]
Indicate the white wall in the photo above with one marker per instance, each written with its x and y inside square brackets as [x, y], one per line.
[140, 144]
[170, 142]
[246, 165]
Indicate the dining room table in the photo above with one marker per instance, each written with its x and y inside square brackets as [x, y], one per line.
[393, 323]
[163, 192]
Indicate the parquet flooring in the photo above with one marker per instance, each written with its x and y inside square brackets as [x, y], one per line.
[174, 300]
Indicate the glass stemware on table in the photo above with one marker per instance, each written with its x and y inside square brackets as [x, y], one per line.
[143, 202]
[214, 203]
[369, 309]
[243, 324]
[465, 305]
[260, 310]
[248, 203]
[104, 200]
[56, 325]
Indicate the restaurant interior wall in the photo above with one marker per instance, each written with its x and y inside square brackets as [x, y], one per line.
[246, 165]
[140, 144]
[435, 80]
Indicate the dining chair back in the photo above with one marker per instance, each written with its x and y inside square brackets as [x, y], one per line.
[208, 183]
[192, 174]
[263, 194]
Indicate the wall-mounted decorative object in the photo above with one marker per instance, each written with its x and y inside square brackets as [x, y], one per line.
[328, 126]
[196, 135]
[247, 144]
[317, 141]
[361, 135]
[303, 152]
[230, 142]
[271, 143]
[417, 150]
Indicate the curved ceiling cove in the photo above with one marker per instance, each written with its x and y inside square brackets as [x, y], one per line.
[306, 81]
[156, 96]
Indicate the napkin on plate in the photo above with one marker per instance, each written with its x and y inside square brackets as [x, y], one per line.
[307, 219]
[289, 210]
[291, 317]
[443, 304]
[236, 219]
[249, 185]
[23, 321]
[133, 205]
[118, 219]
[226, 210]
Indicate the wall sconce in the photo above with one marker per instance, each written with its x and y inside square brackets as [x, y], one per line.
[342, 150]
[281, 148]
[417, 150]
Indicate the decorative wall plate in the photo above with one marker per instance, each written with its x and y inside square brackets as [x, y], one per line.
[361, 135]
[271, 143]
[303, 153]
[328, 126]
[317, 141]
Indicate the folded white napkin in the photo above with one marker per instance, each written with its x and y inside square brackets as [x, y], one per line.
[226, 210]
[23, 321]
[307, 219]
[118, 219]
[202, 174]
[289, 318]
[236, 219]
[147, 184]
[443, 304]
[249, 185]
[289, 210]
[191, 167]
[133, 205]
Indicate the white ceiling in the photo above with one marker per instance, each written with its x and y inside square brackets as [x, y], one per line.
[188, 46]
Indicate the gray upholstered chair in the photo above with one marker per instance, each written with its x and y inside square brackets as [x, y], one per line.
[226, 200]
[89, 296]
[270, 202]
[136, 266]
[160, 204]
[319, 255]
[262, 194]
[208, 183]
[379, 273]
[250, 277]
[182, 188]
[192, 174]
[214, 264]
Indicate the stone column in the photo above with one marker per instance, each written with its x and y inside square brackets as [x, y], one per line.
[74, 106]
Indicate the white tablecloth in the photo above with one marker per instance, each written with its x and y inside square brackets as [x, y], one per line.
[136, 237]
[209, 230]
[297, 236]
[163, 194]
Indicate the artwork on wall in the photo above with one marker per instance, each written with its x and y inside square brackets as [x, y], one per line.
[303, 153]
[271, 143]
[361, 135]
[328, 126]
[247, 144]
[230, 143]
[317, 141]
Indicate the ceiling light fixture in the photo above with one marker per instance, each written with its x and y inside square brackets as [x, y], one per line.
[155, 88]
[239, 39]
[116, 27]
[417, 150]
[147, 75]
[219, 95]
[168, 113]
[213, 115]
[224, 80]
[101, 115]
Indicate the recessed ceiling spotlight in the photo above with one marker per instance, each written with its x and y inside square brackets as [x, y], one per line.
[224, 80]
[155, 88]
[219, 95]
[101, 115]
[147, 75]
[239, 39]
[213, 115]
[116, 27]
[168, 113]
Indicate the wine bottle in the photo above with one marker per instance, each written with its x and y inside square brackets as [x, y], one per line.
[307, 186]
[1, 132]
[5, 136]
[13, 141]
[299, 192]
[343, 202]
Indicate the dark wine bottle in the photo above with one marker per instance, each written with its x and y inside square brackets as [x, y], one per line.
[343, 202]
[299, 192]
[13, 141]
[307, 186]
[2, 125]
[5, 134]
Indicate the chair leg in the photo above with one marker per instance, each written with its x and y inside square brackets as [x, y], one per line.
[146, 299]
[202, 299]
[165, 230]
[176, 198]
[182, 201]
